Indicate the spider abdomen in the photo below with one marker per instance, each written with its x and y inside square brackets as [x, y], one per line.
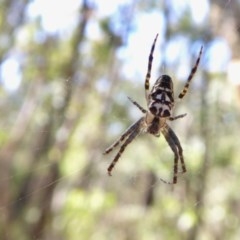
[161, 99]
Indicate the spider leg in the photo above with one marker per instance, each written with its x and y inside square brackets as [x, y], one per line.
[129, 139]
[137, 105]
[148, 75]
[176, 117]
[166, 131]
[128, 132]
[193, 71]
[179, 147]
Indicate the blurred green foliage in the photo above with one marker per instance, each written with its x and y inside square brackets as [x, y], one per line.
[72, 103]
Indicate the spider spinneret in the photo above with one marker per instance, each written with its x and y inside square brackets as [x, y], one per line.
[160, 102]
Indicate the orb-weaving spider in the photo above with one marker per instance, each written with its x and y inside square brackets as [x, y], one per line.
[160, 102]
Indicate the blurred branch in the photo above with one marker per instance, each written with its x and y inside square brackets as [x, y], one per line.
[13, 15]
[201, 178]
[225, 22]
[49, 142]
[10, 148]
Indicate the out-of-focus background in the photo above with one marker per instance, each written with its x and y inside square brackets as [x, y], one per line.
[66, 69]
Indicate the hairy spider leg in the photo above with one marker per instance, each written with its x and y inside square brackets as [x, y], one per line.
[177, 117]
[180, 150]
[128, 132]
[148, 75]
[165, 131]
[193, 71]
[137, 105]
[124, 145]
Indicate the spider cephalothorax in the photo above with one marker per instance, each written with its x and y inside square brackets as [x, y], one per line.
[160, 102]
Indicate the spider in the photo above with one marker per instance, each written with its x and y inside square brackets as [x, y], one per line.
[160, 102]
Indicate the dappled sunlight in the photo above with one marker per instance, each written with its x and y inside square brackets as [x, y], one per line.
[67, 71]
